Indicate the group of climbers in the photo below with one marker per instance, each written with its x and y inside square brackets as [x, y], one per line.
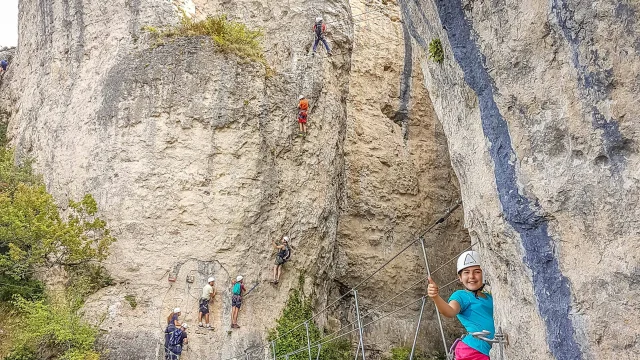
[175, 334]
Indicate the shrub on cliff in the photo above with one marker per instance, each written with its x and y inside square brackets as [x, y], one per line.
[297, 310]
[230, 36]
[436, 53]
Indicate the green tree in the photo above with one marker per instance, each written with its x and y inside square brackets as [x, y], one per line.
[294, 337]
[33, 234]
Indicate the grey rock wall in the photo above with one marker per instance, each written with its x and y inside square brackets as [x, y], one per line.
[539, 103]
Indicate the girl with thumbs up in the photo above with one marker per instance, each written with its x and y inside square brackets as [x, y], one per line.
[472, 306]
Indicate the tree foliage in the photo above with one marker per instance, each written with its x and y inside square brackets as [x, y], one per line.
[52, 330]
[298, 309]
[35, 236]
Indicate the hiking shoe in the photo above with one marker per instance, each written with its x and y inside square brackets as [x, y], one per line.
[208, 326]
[329, 53]
[199, 324]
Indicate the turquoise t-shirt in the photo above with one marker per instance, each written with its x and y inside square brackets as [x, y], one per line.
[475, 315]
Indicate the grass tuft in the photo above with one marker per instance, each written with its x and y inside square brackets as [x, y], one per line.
[228, 35]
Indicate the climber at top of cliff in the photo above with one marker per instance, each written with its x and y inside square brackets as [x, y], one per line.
[3, 66]
[283, 255]
[320, 28]
[303, 107]
[472, 306]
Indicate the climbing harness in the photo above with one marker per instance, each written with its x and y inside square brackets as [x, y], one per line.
[498, 338]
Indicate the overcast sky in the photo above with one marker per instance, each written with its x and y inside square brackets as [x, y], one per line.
[8, 22]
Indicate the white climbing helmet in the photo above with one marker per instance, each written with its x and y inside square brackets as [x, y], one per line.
[468, 259]
[300, 97]
[184, 325]
[319, 18]
[211, 279]
[239, 278]
[286, 239]
[176, 310]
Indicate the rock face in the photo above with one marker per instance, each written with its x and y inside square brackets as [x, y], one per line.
[539, 103]
[398, 181]
[193, 158]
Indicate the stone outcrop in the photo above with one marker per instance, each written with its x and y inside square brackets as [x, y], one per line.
[193, 158]
[539, 103]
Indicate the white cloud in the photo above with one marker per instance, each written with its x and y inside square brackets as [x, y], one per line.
[8, 22]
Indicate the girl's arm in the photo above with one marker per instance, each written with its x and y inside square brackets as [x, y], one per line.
[450, 309]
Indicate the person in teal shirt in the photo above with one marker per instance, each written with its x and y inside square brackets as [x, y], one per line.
[472, 306]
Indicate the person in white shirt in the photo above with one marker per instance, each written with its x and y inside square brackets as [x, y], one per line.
[208, 293]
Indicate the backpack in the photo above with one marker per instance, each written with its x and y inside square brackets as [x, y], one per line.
[237, 288]
[285, 253]
[176, 337]
[318, 28]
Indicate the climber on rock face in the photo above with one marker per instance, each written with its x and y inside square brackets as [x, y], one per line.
[472, 306]
[303, 107]
[177, 340]
[208, 293]
[172, 324]
[320, 28]
[283, 255]
[3, 66]
[236, 300]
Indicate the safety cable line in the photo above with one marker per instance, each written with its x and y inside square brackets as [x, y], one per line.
[421, 235]
[370, 312]
[440, 220]
[363, 326]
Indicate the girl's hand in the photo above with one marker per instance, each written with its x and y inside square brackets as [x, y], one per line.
[432, 289]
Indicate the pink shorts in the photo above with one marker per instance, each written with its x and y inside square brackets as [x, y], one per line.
[465, 352]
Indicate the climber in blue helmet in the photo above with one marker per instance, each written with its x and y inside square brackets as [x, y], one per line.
[3, 66]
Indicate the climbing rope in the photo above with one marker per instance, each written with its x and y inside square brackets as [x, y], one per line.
[440, 220]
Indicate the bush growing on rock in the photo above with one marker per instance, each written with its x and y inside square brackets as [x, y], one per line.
[436, 53]
[230, 36]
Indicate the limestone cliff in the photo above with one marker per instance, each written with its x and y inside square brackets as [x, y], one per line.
[193, 157]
